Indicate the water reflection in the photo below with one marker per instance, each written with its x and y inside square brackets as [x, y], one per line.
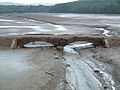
[37, 44]
[77, 45]
[34, 29]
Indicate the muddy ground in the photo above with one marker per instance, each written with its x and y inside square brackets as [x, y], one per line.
[53, 68]
[46, 69]
[48, 23]
[31, 69]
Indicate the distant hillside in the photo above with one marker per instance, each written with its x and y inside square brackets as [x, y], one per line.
[23, 9]
[89, 6]
[81, 6]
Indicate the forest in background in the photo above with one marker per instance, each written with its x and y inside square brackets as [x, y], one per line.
[81, 6]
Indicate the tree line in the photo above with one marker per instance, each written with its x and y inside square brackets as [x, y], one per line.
[82, 6]
[23, 9]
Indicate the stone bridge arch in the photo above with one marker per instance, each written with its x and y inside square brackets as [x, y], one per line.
[57, 40]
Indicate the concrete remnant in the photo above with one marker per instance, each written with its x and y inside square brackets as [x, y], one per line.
[106, 43]
[14, 44]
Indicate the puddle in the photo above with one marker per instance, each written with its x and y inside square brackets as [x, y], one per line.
[105, 31]
[18, 27]
[6, 20]
[36, 29]
[60, 28]
[18, 30]
[22, 22]
[38, 44]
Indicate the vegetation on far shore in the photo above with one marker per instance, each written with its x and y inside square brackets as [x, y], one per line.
[82, 6]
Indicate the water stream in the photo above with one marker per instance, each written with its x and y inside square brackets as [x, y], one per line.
[84, 73]
[78, 45]
[105, 31]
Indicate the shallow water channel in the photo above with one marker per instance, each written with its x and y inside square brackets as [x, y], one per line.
[84, 72]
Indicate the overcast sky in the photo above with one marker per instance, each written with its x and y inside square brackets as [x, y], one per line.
[37, 1]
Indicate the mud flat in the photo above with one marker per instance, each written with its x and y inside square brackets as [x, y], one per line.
[51, 68]
[31, 69]
[52, 23]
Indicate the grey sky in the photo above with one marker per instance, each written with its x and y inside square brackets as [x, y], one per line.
[37, 1]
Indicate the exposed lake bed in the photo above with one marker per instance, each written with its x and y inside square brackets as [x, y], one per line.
[51, 68]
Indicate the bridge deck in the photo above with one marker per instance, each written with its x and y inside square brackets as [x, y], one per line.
[57, 40]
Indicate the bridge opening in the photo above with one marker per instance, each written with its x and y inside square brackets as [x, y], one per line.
[72, 47]
[37, 44]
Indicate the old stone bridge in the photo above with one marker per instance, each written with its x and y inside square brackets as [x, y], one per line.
[57, 40]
